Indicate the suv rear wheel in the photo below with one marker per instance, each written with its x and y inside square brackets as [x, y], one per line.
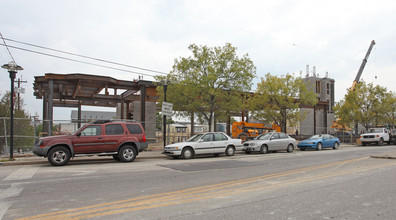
[127, 153]
[59, 156]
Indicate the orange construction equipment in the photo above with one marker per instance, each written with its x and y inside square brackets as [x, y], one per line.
[245, 131]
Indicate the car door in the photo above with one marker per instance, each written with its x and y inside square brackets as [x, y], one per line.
[283, 141]
[114, 133]
[327, 140]
[205, 145]
[273, 144]
[88, 140]
[221, 142]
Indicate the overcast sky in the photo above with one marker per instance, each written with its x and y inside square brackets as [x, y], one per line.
[279, 36]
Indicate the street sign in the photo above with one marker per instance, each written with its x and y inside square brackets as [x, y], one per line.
[167, 108]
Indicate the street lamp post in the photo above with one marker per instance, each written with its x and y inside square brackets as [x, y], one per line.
[12, 68]
[164, 126]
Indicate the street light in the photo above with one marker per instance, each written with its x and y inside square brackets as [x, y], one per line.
[12, 68]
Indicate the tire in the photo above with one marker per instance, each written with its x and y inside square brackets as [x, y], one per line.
[187, 153]
[59, 156]
[302, 149]
[319, 146]
[264, 149]
[336, 145]
[230, 151]
[290, 148]
[127, 153]
[115, 157]
[380, 142]
[243, 136]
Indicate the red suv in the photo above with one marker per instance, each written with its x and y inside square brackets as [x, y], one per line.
[121, 139]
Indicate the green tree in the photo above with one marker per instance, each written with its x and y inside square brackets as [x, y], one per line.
[366, 105]
[390, 109]
[21, 126]
[210, 82]
[278, 99]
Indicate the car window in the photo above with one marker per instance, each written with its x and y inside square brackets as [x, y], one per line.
[207, 137]
[220, 137]
[283, 136]
[265, 136]
[93, 130]
[134, 128]
[114, 129]
[275, 136]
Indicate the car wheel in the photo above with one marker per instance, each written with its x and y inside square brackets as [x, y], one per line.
[336, 144]
[187, 153]
[319, 146]
[115, 157]
[302, 149]
[230, 151]
[59, 156]
[380, 142]
[264, 149]
[127, 153]
[290, 148]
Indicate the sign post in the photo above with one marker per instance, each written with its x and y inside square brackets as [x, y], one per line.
[167, 109]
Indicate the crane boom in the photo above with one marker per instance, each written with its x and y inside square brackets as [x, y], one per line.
[357, 78]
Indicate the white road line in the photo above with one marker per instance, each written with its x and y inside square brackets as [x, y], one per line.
[13, 191]
[4, 207]
[25, 172]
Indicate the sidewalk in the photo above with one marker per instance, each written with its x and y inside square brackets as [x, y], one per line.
[30, 158]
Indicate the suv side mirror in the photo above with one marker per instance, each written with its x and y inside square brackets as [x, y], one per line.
[78, 134]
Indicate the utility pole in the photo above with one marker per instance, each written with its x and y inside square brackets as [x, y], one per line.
[19, 91]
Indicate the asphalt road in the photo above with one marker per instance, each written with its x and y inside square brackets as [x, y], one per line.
[328, 184]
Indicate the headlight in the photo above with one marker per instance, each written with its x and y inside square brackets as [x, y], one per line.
[172, 148]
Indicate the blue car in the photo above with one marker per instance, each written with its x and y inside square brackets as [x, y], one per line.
[319, 141]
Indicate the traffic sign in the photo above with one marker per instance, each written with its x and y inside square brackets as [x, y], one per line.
[167, 108]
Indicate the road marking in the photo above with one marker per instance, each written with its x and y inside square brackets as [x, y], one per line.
[25, 172]
[180, 196]
[13, 191]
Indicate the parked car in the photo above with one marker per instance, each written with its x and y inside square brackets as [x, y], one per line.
[273, 141]
[319, 142]
[376, 135]
[121, 139]
[204, 143]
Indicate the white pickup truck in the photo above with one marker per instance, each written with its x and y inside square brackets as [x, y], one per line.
[375, 135]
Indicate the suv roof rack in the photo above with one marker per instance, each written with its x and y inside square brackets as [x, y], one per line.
[112, 120]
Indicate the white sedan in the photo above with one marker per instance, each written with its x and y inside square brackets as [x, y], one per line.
[204, 143]
[270, 142]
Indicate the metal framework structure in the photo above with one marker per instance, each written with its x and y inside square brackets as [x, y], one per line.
[75, 90]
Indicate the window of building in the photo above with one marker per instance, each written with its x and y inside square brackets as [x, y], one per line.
[318, 84]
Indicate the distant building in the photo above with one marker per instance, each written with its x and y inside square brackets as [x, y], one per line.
[89, 116]
[318, 118]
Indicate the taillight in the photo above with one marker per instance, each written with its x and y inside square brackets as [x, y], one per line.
[144, 138]
[377, 135]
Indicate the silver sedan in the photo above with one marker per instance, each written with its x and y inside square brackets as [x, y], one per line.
[275, 141]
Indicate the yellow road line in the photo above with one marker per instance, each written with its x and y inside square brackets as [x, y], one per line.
[169, 195]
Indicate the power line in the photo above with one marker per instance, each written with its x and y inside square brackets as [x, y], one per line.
[79, 61]
[83, 56]
[9, 52]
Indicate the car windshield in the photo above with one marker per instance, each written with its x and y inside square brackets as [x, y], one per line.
[376, 130]
[316, 137]
[195, 138]
[265, 136]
